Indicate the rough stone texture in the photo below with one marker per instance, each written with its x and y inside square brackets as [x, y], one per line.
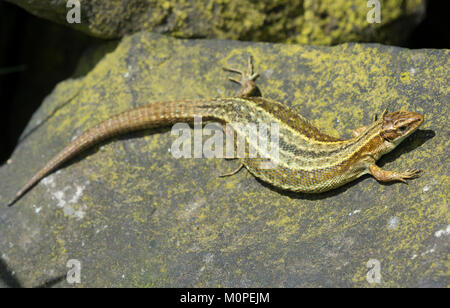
[135, 216]
[313, 22]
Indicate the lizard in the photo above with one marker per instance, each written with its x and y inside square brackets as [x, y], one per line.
[309, 160]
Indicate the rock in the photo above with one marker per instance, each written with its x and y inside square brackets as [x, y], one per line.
[322, 22]
[134, 216]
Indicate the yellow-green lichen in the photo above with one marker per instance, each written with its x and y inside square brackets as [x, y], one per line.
[324, 22]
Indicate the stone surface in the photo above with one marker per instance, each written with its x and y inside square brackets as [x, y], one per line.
[315, 22]
[135, 216]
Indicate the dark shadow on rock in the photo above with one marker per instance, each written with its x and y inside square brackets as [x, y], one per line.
[417, 139]
[7, 276]
[51, 282]
[411, 143]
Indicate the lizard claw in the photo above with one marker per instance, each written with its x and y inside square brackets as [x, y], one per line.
[249, 75]
[413, 173]
[409, 174]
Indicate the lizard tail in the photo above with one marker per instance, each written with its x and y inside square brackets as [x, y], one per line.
[151, 115]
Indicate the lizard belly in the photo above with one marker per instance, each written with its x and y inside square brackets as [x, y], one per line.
[298, 180]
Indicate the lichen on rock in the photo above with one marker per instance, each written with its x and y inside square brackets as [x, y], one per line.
[324, 22]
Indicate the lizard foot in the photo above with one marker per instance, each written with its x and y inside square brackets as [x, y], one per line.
[389, 176]
[247, 82]
[409, 174]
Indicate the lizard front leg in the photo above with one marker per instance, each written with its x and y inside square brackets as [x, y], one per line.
[389, 176]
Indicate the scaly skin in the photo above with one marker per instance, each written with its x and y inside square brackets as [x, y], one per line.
[308, 160]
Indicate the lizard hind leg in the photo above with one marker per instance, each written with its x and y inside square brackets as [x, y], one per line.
[247, 82]
[241, 165]
[230, 136]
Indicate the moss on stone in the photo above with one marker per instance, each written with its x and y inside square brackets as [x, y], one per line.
[324, 22]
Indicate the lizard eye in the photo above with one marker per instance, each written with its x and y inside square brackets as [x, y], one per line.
[403, 128]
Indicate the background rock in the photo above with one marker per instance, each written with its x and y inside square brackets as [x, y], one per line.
[321, 22]
[135, 216]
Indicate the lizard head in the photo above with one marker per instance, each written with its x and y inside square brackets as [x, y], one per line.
[398, 125]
